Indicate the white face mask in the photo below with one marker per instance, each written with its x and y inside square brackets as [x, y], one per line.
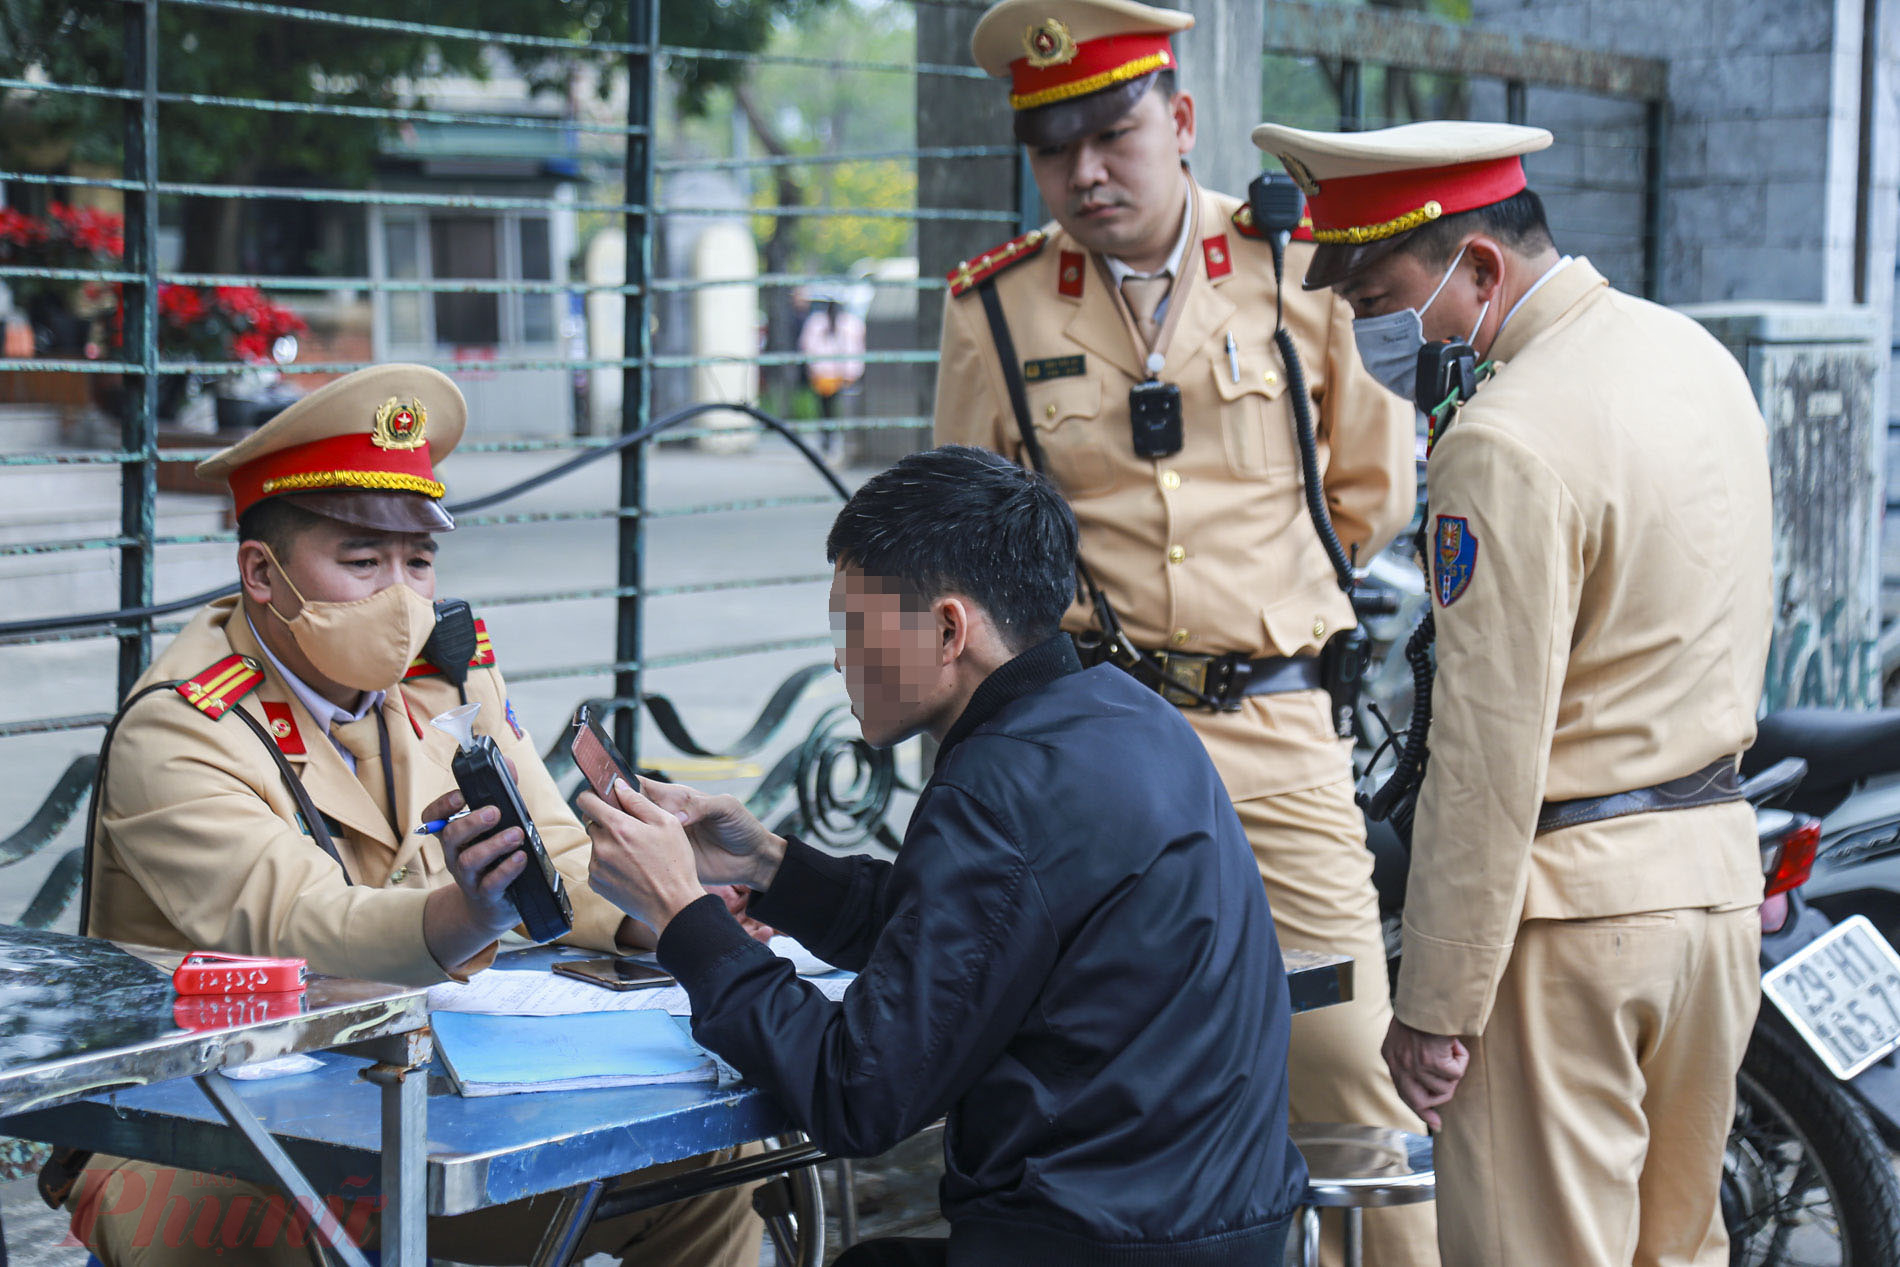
[1389, 343]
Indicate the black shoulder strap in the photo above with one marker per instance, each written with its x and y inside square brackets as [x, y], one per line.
[1012, 376]
[319, 831]
[1122, 651]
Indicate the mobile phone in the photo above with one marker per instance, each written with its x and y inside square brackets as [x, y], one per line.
[597, 757]
[615, 973]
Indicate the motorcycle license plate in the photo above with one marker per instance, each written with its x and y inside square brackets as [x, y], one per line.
[1842, 994]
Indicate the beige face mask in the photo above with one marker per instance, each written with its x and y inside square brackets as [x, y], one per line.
[368, 643]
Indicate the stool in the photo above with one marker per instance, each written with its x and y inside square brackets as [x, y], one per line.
[1350, 1168]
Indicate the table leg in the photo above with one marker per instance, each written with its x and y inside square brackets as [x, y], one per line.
[238, 1116]
[847, 1175]
[405, 1221]
[562, 1240]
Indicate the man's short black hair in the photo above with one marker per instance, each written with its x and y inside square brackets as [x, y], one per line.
[1164, 85]
[278, 523]
[1518, 223]
[958, 520]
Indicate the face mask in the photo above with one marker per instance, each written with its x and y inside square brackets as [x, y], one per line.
[1389, 343]
[367, 644]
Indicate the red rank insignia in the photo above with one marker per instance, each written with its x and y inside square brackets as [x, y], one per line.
[1220, 260]
[1071, 272]
[283, 728]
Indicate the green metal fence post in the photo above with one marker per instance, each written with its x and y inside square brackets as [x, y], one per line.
[643, 26]
[138, 487]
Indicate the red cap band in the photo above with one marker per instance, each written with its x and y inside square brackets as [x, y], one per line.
[1097, 64]
[345, 461]
[1355, 209]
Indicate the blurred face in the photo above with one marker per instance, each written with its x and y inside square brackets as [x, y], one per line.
[1120, 191]
[893, 657]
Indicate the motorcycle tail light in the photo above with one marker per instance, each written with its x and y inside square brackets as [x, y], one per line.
[1794, 858]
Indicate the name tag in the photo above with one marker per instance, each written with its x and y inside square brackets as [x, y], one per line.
[1054, 367]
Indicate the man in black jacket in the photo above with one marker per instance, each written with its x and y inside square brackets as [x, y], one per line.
[1071, 957]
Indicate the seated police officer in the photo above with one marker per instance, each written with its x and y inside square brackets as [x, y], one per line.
[1071, 957]
[310, 685]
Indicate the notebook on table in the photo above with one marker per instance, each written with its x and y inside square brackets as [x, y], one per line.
[505, 1055]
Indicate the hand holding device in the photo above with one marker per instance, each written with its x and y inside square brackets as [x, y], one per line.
[481, 771]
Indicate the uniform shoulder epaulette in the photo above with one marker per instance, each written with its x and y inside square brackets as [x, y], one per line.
[1245, 226]
[214, 691]
[993, 261]
[483, 658]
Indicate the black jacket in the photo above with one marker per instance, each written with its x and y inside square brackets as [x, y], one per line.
[1071, 957]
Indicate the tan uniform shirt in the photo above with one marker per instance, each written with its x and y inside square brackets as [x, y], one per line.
[1209, 550]
[1609, 577]
[200, 846]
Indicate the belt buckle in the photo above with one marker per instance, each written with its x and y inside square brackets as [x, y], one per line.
[1183, 670]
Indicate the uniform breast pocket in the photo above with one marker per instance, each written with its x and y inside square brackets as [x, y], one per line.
[1256, 428]
[1074, 434]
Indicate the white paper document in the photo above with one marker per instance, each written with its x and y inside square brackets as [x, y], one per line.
[505, 992]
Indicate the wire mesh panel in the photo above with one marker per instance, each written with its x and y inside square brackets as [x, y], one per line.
[593, 216]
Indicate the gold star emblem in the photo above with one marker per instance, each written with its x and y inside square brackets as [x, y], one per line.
[1302, 174]
[1216, 256]
[1049, 44]
[400, 425]
[280, 728]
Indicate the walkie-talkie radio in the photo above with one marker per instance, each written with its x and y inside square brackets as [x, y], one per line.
[538, 894]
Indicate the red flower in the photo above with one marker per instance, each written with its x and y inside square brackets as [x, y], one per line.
[253, 346]
[181, 305]
[19, 228]
[242, 301]
[277, 321]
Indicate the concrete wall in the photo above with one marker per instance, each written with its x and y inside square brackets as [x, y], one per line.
[1764, 139]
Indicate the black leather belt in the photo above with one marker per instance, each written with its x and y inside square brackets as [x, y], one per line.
[1713, 784]
[1227, 679]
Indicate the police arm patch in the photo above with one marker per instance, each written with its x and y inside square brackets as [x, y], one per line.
[1455, 558]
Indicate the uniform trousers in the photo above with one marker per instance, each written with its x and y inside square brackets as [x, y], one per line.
[1311, 848]
[134, 1214]
[1590, 1125]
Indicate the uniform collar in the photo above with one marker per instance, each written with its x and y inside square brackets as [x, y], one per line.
[326, 714]
[1556, 294]
[1031, 671]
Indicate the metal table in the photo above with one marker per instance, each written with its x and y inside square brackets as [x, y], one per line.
[80, 1016]
[493, 1150]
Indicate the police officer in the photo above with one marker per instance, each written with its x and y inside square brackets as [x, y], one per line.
[1195, 532]
[1580, 942]
[313, 680]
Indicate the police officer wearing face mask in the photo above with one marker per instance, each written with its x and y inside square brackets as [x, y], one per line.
[1579, 976]
[263, 786]
[1149, 288]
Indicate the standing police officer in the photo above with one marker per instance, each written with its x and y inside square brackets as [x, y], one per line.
[1580, 973]
[1153, 301]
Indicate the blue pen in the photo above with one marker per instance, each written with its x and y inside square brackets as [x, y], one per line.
[435, 825]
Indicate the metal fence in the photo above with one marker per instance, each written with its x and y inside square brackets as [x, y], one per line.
[740, 582]
[586, 263]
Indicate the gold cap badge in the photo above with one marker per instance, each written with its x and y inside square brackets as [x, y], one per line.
[399, 426]
[1049, 44]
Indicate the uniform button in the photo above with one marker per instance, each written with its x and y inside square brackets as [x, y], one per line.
[1170, 480]
[1269, 378]
[1049, 411]
[1319, 629]
[1180, 637]
[1176, 554]
[399, 875]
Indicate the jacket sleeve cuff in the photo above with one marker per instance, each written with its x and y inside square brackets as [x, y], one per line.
[810, 884]
[1447, 987]
[699, 938]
